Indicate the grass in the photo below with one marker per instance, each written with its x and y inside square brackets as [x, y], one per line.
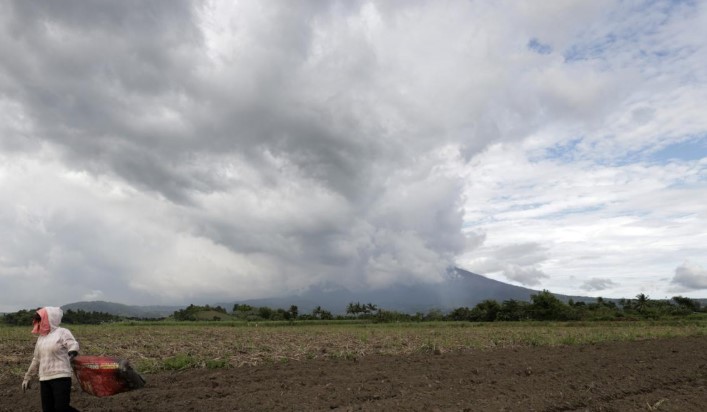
[158, 346]
[180, 362]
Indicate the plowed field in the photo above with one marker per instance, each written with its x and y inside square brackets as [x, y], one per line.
[648, 375]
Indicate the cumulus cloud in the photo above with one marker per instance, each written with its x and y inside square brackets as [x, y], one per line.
[93, 295]
[517, 262]
[204, 149]
[195, 150]
[597, 284]
[690, 276]
[530, 276]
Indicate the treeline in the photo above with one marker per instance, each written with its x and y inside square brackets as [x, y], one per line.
[546, 306]
[249, 313]
[252, 313]
[543, 306]
[194, 312]
[72, 317]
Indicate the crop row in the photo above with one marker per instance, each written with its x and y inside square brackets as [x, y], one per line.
[153, 347]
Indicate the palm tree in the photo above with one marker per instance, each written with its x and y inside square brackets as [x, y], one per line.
[354, 308]
[642, 301]
[294, 311]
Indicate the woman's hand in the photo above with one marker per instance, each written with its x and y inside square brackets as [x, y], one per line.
[25, 385]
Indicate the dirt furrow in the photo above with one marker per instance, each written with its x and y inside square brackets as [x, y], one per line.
[652, 375]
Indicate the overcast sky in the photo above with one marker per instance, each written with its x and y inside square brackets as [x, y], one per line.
[169, 152]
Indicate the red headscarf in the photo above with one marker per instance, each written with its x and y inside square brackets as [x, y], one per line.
[41, 327]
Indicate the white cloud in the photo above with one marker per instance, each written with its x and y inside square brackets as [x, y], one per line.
[626, 222]
[597, 284]
[516, 262]
[93, 295]
[211, 149]
[525, 275]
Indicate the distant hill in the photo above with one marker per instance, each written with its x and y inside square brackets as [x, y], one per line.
[120, 309]
[460, 288]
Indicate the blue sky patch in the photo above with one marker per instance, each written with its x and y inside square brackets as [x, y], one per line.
[594, 49]
[572, 211]
[692, 149]
[538, 47]
[564, 151]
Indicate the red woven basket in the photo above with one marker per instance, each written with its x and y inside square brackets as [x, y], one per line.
[106, 375]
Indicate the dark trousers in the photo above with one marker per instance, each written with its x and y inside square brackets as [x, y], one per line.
[56, 395]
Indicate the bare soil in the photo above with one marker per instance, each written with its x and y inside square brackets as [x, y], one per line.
[651, 375]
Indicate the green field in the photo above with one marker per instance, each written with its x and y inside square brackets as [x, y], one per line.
[156, 346]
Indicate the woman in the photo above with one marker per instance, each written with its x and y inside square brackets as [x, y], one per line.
[53, 353]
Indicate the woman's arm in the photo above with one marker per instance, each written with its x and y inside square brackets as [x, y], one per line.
[33, 367]
[70, 343]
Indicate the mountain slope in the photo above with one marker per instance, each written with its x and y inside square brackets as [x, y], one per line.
[460, 288]
[120, 309]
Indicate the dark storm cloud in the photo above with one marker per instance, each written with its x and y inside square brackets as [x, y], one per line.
[90, 76]
[279, 132]
[130, 91]
[690, 276]
[216, 149]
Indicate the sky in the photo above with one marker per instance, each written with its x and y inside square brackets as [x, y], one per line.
[172, 152]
